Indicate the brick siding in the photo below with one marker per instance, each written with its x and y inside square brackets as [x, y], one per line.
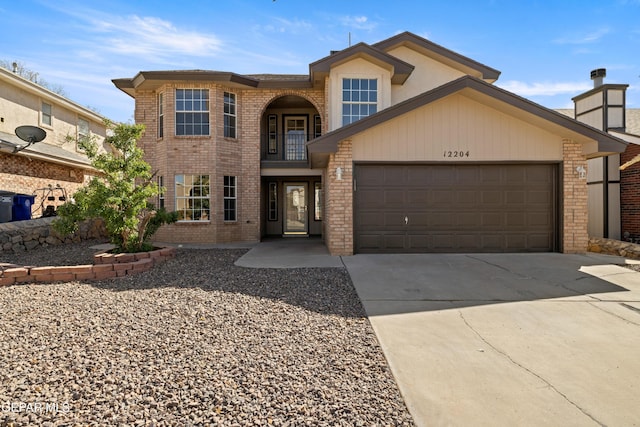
[630, 193]
[574, 207]
[339, 202]
[213, 155]
[20, 174]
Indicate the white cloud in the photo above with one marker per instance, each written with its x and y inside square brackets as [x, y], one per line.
[150, 36]
[358, 22]
[583, 38]
[525, 89]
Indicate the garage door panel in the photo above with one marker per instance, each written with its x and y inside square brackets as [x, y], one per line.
[466, 197]
[456, 208]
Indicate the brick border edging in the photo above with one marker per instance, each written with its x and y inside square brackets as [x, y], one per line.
[105, 266]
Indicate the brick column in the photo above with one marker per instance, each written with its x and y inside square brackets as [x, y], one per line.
[339, 202]
[575, 236]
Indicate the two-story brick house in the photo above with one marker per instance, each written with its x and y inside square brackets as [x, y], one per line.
[398, 146]
[54, 168]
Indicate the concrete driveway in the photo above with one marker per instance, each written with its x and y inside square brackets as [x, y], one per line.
[508, 339]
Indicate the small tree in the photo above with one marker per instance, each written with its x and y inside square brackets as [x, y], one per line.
[120, 195]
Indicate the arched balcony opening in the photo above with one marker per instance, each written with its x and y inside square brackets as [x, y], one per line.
[287, 124]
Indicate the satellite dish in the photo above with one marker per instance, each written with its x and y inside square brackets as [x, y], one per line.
[31, 134]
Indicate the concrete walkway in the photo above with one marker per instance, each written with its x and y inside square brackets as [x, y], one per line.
[289, 253]
[497, 340]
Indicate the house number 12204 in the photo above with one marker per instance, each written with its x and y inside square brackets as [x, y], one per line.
[456, 153]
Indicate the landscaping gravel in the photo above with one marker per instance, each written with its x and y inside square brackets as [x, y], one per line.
[194, 341]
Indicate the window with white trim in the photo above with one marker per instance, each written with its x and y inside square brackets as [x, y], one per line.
[192, 112]
[83, 133]
[160, 115]
[192, 197]
[161, 193]
[359, 99]
[230, 198]
[47, 114]
[230, 118]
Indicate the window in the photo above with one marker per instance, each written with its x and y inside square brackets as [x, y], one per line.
[229, 115]
[192, 112]
[83, 133]
[47, 114]
[160, 115]
[359, 99]
[230, 198]
[317, 126]
[318, 201]
[273, 201]
[273, 134]
[192, 197]
[161, 194]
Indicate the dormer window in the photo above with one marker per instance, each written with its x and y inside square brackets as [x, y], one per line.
[359, 99]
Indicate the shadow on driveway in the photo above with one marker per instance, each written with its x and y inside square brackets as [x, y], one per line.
[404, 283]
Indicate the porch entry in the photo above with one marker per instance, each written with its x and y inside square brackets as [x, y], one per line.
[292, 206]
[296, 218]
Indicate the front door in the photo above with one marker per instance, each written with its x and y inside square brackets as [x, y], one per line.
[295, 217]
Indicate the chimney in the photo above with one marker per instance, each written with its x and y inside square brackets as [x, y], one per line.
[598, 76]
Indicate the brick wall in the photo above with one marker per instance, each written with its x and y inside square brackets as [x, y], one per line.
[20, 174]
[213, 155]
[630, 193]
[339, 202]
[574, 207]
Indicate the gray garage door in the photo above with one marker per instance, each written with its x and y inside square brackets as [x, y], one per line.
[455, 208]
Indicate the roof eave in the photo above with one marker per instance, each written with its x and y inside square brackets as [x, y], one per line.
[607, 144]
[406, 38]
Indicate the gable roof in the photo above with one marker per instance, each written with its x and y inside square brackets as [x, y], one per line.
[440, 53]
[400, 69]
[484, 92]
[377, 53]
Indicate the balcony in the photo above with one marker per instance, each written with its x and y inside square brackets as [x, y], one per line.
[284, 150]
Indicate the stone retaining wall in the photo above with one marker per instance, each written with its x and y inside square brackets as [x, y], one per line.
[614, 247]
[105, 266]
[27, 235]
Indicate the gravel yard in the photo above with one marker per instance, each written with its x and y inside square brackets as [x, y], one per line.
[194, 341]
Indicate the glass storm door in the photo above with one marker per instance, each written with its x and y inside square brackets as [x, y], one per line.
[295, 138]
[295, 218]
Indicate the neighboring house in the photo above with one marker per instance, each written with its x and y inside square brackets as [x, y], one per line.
[398, 146]
[613, 181]
[55, 167]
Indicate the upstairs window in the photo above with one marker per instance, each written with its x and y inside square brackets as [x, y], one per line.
[160, 115]
[83, 133]
[359, 99]
[47, 114]
[192, 112]
[229, 115]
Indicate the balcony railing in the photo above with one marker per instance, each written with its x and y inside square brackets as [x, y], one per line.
[288, 147]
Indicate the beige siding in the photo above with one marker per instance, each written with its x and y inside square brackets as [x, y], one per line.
[456, 124]
[428, 74]
[589, 103]
[358, 68]
[21, 104]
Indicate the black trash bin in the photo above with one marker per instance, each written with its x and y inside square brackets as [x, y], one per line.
[22, 206]
[6, 205]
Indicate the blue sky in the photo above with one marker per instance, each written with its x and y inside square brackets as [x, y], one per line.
[544, 49]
